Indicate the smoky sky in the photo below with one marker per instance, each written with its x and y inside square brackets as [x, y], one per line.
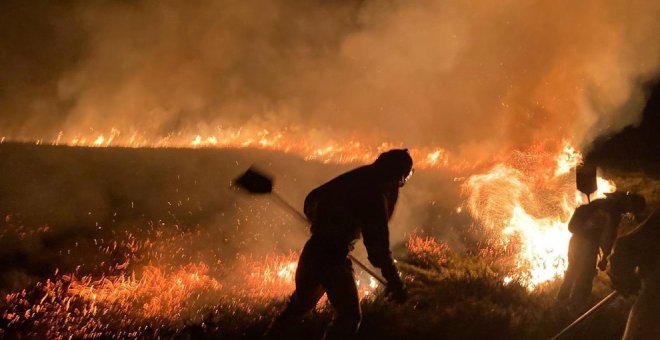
[475, 77]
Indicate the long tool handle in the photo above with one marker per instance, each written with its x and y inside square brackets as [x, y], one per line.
[587, 314]
[368, 270]
[302, 217]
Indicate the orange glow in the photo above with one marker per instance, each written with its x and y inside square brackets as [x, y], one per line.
[87, 306]
[154, 293]
[526, 208]
[523, 202]
[288, 140]
[274, 277]
[567, 160]
[428, 250]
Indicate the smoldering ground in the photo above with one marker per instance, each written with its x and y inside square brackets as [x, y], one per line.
[476, 78]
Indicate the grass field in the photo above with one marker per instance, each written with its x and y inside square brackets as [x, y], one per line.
[117, 243]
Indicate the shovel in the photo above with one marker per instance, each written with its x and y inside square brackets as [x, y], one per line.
[256, 182]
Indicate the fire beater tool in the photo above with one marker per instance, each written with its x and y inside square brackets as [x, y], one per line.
[586, 179]
[588, 313]
[256, 182]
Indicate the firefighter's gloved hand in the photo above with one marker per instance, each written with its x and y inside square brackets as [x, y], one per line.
[396, 292]
[602, 264]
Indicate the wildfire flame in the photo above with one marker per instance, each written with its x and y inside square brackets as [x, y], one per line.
[274, 277]
[567, 159]
[520, 204]
[289, 140]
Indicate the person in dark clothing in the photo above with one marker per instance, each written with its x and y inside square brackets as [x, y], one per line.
[359, 202]
[594, 227]
[635, 267]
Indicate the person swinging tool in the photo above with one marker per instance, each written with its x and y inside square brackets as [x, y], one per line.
[594, 227]
[359, 202]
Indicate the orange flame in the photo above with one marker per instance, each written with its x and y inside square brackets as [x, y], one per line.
[509, 201]
[567, 160]
[289, 140]
[274, 277]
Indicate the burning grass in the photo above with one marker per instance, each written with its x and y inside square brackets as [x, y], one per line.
[123, 305]
[142, 299]
[309, 145]
[528, 201]
[182, 275]
[449, 291]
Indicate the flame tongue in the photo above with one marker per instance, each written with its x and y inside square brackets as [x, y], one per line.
[528, 207]
[306, 144]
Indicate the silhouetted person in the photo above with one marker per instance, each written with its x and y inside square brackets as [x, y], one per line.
[594, 227]
[635, 264]
[359, 202]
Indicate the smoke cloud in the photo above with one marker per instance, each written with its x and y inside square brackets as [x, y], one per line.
[474, 77]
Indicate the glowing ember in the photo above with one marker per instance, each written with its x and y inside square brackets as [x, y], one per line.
[267, 278]
[154, 294]
[274, 277]
[91, 307]
[428, 251]
[122, 305]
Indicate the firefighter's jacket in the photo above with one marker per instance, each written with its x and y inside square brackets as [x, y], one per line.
[357, 203]
[598, 221]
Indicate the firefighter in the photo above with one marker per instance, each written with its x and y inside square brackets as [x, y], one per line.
[594, 227]
[635, 267]
[359, 202]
